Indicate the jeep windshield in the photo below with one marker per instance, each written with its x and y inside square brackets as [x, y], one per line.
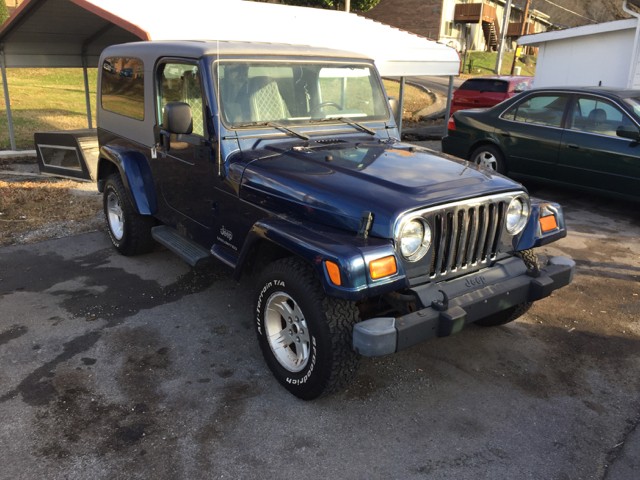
[298, 93]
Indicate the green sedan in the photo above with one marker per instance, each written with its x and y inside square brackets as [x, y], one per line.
[584, 137]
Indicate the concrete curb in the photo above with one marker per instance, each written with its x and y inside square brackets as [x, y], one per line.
[13, 154]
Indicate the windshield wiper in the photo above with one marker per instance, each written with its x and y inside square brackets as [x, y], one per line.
[357, 125]
[288, 130]
[279, 126]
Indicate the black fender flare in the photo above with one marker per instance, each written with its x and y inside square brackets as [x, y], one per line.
[136, 175]
[316, 246]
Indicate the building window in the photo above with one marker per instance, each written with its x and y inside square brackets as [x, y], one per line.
[122, 88]
[448, 28]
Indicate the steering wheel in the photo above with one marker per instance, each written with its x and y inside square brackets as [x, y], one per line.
[318, 108]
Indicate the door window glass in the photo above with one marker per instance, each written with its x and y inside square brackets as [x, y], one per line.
[596, 115]
[180, 82]
[538, 109]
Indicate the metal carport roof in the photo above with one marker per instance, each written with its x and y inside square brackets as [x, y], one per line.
[72, 33]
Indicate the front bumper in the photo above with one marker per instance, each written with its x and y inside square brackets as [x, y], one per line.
[468, 299]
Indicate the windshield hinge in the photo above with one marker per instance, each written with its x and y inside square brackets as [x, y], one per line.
[366, 221]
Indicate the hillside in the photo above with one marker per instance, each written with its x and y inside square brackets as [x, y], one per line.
[573, 13]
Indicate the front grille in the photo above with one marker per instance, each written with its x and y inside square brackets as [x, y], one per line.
[465, 236]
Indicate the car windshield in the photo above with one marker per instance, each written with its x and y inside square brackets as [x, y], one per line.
[259, 93]
[634, 103]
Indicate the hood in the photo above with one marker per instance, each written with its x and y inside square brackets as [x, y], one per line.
[334, 185]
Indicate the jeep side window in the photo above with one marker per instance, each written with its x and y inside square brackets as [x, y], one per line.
[180, 82]
[122, 87]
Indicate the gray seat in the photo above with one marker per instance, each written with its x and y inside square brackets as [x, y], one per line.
[597, 116]
[265, 101]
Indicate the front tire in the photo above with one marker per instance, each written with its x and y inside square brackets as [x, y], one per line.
[305, 336]
[129, 231]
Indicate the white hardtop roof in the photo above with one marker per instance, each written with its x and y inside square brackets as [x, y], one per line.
[224, 48]
[60, 33]
[576, 32]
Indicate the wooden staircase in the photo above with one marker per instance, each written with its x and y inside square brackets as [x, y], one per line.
[484, 13]
[491, 32]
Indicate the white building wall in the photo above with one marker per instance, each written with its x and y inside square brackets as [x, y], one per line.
[635, 81]
[450, 34]
[634, 74]
[590, 60]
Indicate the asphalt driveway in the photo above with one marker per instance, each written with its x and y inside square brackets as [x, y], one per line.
[117, 367]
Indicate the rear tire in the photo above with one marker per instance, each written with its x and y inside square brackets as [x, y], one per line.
[305, 336]
[490, 157]
[510, 314]
[129, 231]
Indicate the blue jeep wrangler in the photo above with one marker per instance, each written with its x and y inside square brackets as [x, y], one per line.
[283, 162]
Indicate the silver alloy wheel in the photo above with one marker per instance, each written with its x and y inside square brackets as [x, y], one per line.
[286, 331]
[115, 215]
[486, 159]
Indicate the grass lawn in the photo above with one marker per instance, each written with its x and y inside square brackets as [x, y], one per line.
[44, 99]
[484, 63]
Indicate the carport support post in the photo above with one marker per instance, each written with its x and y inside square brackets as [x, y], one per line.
[447, 112]
[87, 96]
[7, 102]
[400, 106]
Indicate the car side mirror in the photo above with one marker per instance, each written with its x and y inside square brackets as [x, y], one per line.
[627, 131]
[394, 104]
[177, 118]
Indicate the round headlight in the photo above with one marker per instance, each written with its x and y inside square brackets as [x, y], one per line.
[415, 239]
[517, 215]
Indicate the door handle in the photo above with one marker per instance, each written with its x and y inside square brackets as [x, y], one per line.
[505, 134]
[573, 145]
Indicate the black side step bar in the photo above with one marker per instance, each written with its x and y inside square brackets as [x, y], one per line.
[189, 251]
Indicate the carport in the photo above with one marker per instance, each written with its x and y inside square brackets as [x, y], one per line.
[72, 33]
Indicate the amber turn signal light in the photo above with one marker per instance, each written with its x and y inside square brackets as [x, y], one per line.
[548, 223]
[333, 271]
[383, 267]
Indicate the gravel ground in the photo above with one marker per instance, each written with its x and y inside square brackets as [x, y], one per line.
[25, 169]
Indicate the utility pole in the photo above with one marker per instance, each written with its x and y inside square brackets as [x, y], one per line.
[347, 5]
[505, 25]
[523, 31]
